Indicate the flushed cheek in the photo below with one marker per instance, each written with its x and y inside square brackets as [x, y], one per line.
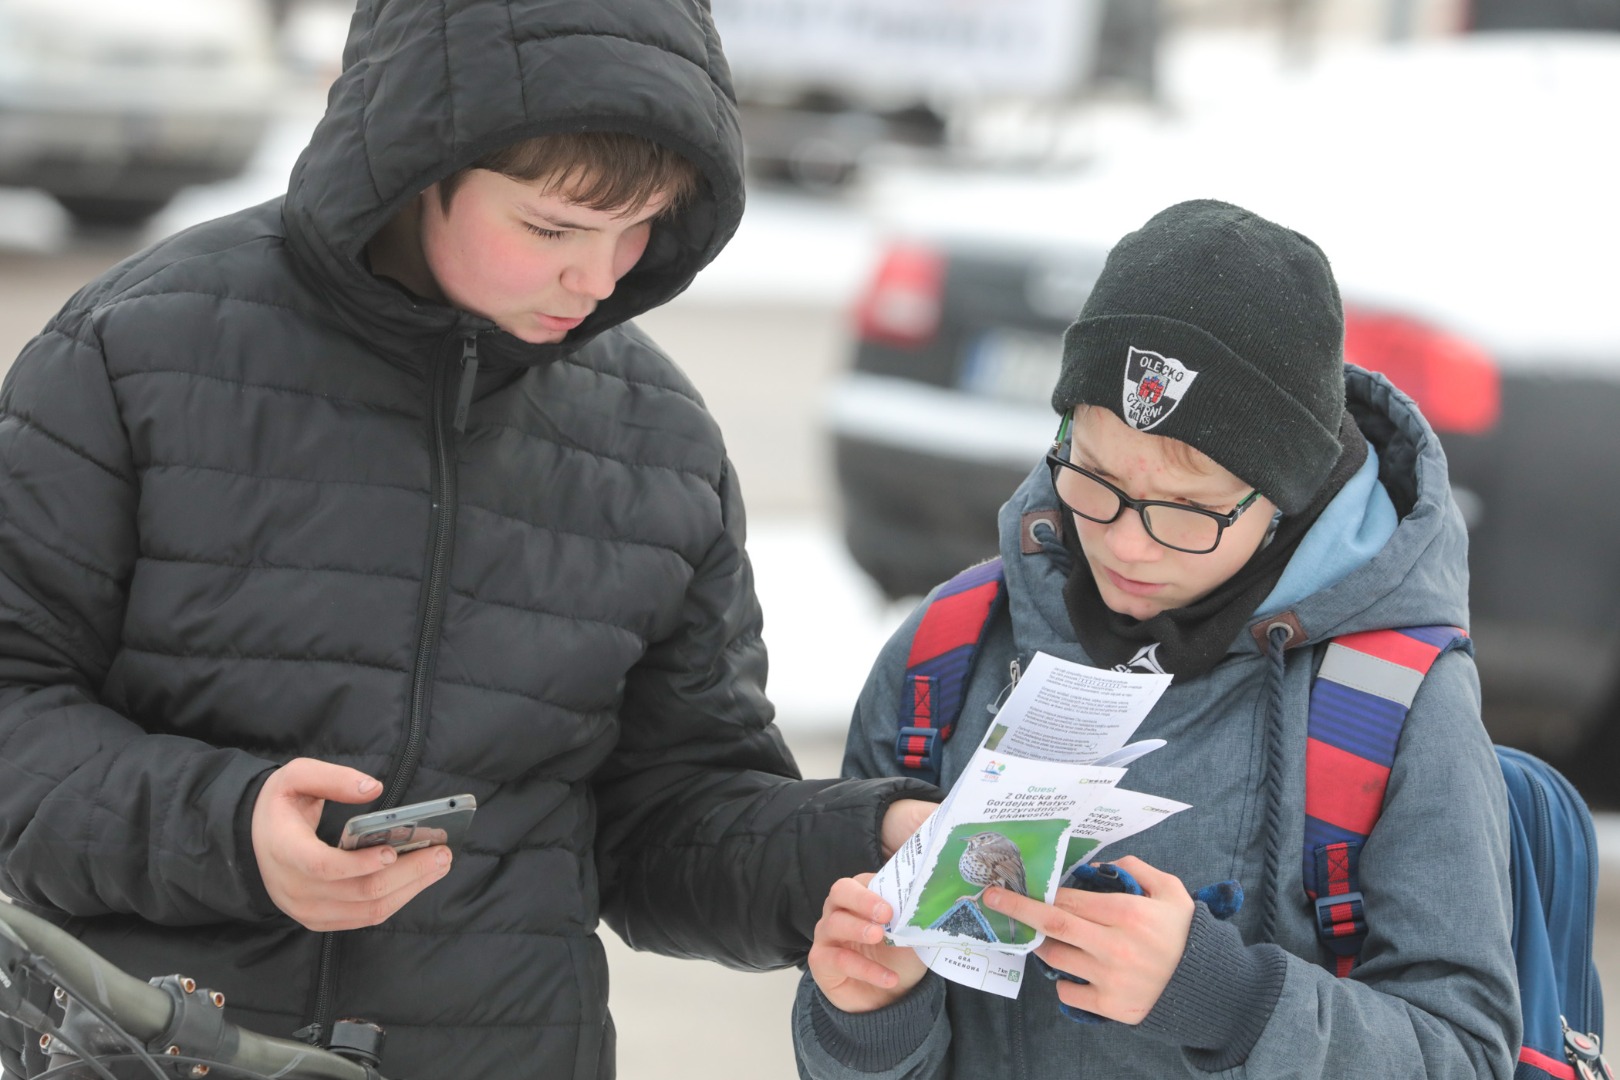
[504, 271]
[629, 251]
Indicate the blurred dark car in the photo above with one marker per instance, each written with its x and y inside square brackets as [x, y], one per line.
[112, 107]
[1465, 192]
[824, 88]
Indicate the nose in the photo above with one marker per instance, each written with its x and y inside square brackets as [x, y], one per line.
[592, 274]
[1128, 539]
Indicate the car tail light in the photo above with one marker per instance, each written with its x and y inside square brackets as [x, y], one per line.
[902, 304]
[1453, 381]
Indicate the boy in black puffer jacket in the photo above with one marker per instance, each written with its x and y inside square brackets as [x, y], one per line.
[373, 494]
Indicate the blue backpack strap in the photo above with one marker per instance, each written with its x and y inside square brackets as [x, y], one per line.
[937, 668]
[1359, 703]
[1559, 991]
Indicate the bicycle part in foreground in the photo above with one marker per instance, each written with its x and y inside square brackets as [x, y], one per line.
[170, 1018]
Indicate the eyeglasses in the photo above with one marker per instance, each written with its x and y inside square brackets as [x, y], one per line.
[1175, 525]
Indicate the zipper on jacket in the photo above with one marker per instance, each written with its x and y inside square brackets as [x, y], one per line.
[1014, 673]
[442, 529]
[469, 376]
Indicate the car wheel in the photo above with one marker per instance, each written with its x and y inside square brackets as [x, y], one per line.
[111, 211]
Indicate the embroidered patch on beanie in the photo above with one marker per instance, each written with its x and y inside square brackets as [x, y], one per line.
[1154, 386]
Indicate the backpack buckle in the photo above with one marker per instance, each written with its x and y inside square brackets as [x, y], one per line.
[1585, 1053]
[916, 748]
[1341, 923]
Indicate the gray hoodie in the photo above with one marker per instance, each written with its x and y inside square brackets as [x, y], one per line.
[1434, 993]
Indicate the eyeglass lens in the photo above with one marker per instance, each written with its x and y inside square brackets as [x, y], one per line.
[1187, 530]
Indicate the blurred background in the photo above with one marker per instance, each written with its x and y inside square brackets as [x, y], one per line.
[933, 185]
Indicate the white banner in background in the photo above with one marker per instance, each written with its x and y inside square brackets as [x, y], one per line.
[924, 49]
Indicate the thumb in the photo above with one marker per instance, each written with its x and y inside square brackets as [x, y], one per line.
[315, 779]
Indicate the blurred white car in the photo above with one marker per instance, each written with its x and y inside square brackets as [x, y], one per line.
[112, 106]
[1465, 190]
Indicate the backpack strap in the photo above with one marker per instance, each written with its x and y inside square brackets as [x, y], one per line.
[937, 668]
[1359, 703]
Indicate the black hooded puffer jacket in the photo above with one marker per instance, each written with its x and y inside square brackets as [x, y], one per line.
[238, 524]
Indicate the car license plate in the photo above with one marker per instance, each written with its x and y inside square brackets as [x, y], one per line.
[1012, 365]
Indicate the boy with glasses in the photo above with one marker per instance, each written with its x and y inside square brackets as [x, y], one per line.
[1223, 495]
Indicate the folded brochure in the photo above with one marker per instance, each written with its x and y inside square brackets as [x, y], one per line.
[1037, 797]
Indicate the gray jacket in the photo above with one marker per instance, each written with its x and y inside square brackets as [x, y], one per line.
[1434, 994]
[239, 523]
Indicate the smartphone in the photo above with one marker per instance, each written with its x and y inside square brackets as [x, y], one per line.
[406, 828]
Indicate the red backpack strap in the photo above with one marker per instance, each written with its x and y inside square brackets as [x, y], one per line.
[1359, 703]
[937, 668]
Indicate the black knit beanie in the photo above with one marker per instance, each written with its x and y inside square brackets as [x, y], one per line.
[1214, 326]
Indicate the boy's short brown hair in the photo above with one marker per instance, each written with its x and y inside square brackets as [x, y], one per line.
[1182, 455]
[602, 170]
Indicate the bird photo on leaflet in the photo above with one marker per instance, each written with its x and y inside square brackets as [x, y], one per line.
[991, 859]
[1018, 855]
[988, 858]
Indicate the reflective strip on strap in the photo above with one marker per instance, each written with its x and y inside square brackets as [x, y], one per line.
[1371, 674]
[1359, 701]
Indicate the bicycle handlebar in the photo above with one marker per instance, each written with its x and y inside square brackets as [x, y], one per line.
[147, 1012]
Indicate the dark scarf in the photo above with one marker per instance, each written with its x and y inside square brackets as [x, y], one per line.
[1191, 640]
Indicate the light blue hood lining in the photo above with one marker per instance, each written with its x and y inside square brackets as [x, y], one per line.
[1353, 528]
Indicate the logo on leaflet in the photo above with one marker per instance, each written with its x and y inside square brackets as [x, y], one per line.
[1154, 386]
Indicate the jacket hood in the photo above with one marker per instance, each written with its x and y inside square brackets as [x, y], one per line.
[1417, 577]
[426, 89]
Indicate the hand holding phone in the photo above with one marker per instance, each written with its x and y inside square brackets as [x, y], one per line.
[407, 828]
[316, 886]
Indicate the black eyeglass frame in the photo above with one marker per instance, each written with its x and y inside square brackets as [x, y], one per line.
[1056, 461]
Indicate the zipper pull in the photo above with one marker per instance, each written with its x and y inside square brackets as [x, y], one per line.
[1585, 1054]
[1013, 674]
[469, 375]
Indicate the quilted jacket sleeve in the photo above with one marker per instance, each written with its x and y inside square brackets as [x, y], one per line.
[911, 1039]
[97, 815]
[709, 845]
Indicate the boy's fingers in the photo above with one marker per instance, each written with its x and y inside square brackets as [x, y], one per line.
[312, 778]
[903, 818]
[1153, 880]
[867, 970]
[1069, 959]
[1081, 996]
[418, 869]
[1103, 909]
[847, 964]
[1051, 921]
[851, 894]
[842, 926]
[374, 902]
[312, 857]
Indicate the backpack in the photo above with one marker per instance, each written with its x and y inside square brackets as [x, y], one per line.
[1358, 704]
